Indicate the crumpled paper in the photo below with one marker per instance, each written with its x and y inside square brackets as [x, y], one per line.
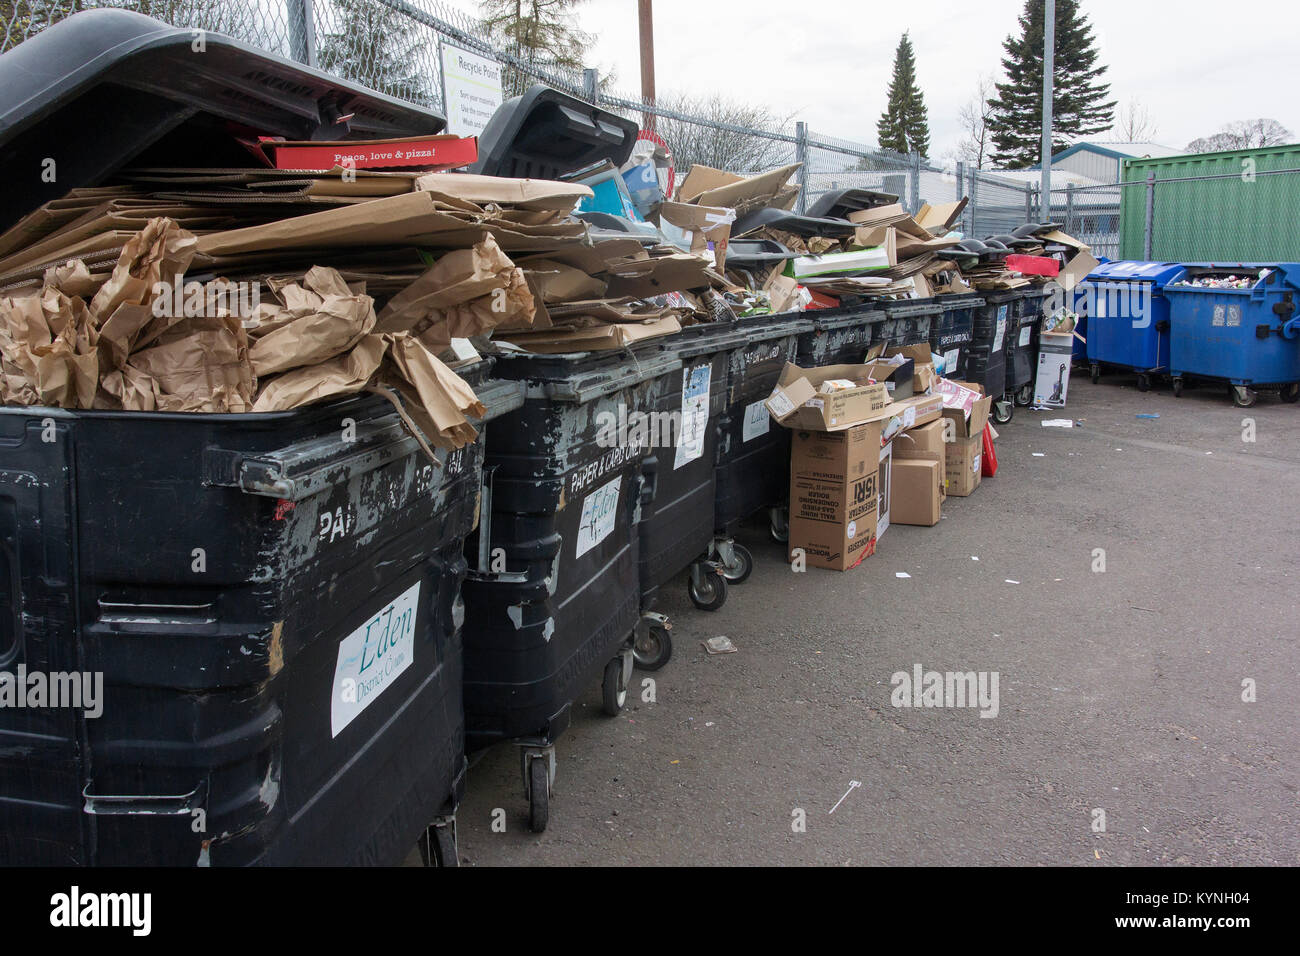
[344, 374]
[320, 319]
[467, 292]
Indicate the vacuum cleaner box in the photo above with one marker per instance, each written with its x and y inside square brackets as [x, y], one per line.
[835, 495]
[1052, 383]
[964, 452]
[917, 486]
[799, 402]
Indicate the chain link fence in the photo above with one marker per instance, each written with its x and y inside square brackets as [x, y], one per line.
[393, 46]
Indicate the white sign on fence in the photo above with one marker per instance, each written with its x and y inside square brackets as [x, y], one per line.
[471, 88]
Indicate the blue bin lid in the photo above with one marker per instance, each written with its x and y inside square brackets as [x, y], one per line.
[1159, 273]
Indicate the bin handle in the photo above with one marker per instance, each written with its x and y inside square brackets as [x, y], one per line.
[150, 804]
[1291, 329]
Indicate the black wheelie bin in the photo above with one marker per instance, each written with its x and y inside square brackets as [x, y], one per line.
[274, 612]
[907, 321]
[554, 599]
[951, 332]
[752, 458]
[264, 607]
[986, 359]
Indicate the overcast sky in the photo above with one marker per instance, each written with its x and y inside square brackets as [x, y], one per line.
[1194, 64]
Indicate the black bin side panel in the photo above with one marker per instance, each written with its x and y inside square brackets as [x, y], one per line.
[563, 516]
[216, 618]
[41, 750]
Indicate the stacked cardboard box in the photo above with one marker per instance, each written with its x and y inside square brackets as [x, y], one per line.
[863, 459]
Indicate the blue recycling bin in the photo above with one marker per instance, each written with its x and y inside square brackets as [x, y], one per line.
[1128, 317]
[1248, 337]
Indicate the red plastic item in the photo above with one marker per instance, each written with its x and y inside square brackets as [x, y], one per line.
[1033, 265]
[820, 301]
[418, 152]
[989, 461]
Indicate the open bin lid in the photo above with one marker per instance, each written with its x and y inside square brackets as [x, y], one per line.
[1158, 273]
[545, 134]
[106, 88]
[838, 203]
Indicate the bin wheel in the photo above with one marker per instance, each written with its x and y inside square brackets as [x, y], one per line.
[613, 688]
[1144, 382]
[1290, 393]
[742, 565]
[1096, 373]
[438, 845]
[1243, 397]
[539, 793]
[1003, 410]
[1025, 395]
[1178, 386]
[779, 525]
[712, 592]
[653, 648]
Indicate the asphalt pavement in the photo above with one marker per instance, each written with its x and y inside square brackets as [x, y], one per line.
[1119, 690]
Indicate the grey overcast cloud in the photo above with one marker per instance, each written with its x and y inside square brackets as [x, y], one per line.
[1194, 65]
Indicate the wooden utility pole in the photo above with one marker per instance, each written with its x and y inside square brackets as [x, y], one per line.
[645, 18]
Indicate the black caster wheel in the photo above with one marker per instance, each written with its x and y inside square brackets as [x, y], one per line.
[613, 688]
[1096, 374]
[1003, 410]
[1025, 395]
[742, 564]
[1290, 393]
[1178, 386]
[1144, 383]
[653, 648]
[438, 846]
[711, 593]
[539, 794]
[1243, 397]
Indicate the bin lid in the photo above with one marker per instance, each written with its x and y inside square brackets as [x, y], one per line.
[838, 203]
[1129, 270]
[546, 133]
[106, 88]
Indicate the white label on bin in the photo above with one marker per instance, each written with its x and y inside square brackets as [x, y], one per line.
[695, 414]
[371, 658]
[1002, 329]
[1218, 315]
[1024, 336]
[757, 421]
[599, 512]
[950, 361]
[1234, 316]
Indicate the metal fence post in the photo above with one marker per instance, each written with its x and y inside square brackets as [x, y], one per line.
[1029, 203]
[974, 204]
[1069, 207]
[914, 181]
[961, 171]
[302, 31]
[801, 157]
[591, 85]
[1150, 216]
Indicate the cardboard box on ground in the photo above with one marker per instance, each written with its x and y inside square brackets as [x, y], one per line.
[861, 462]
